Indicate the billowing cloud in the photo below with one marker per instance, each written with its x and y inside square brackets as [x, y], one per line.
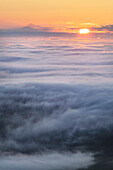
[51, 117]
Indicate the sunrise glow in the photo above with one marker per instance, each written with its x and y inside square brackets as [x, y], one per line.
[47, 12]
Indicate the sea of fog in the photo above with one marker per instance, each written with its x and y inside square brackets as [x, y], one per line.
[56, 103]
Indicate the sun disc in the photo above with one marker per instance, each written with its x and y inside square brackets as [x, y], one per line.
[84, 31]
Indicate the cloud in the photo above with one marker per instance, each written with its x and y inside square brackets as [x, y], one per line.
[47, 161]
[53, 117]
[54, 31]
[36, 30]
[108, 27]
[11, 59]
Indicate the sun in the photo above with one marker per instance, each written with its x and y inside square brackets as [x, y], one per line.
[84, 31]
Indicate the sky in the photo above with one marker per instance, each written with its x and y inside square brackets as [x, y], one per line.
[14, 13]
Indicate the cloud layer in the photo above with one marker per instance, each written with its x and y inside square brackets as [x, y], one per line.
[40, 118]
[56, 102]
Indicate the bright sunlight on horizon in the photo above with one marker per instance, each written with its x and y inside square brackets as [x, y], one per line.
[84, 31]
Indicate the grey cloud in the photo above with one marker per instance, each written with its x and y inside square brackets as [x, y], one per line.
[28, 31]
[47, 161]
[53, 117]
[11, 59]
[108, 27]
[23, 70]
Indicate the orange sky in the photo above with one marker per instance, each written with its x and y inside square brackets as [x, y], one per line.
[54, 12]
